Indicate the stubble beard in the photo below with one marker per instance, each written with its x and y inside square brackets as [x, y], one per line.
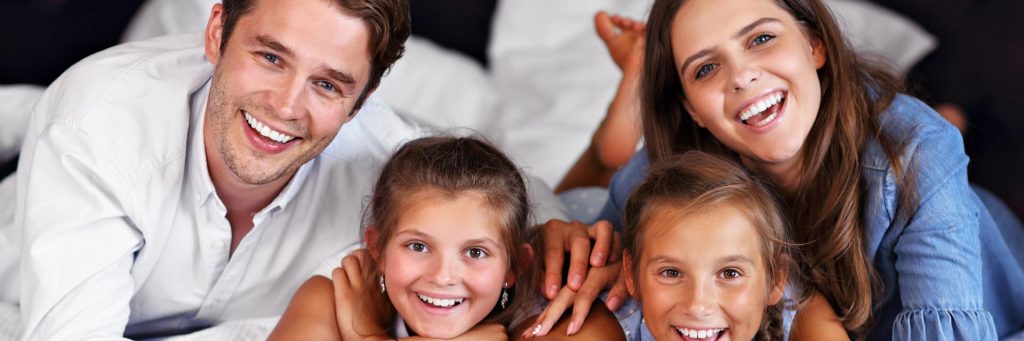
[253, 171]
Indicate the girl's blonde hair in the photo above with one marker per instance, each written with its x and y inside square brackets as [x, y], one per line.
[697, 181]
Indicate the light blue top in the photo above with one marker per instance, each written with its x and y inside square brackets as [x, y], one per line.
[948, 273]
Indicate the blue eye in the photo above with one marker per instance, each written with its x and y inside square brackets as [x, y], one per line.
[476, 253]
[326, 86]
[273, 59]
[417, 247]
[704, 70]
[761, 39]
[669, 273]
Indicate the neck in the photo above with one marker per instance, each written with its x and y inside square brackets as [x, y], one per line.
[241, 199]
[786, 175]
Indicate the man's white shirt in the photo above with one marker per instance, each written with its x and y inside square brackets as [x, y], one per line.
[123, 233]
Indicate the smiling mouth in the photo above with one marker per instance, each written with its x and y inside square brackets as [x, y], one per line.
[444, 303]
[701, 334]
[764, 111]
[265, 131]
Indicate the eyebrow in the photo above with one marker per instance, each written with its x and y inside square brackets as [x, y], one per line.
[337, 75]
[743, 31]
[724, 260]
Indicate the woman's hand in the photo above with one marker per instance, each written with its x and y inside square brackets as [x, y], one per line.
[583, 286]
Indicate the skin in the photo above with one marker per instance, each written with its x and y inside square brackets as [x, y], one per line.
[298, 67]
[817, 321]
[702, 270]
[446, 248]
[732, 53]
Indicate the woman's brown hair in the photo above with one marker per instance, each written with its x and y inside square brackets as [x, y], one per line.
[443, 168]
[826, 208]
[698, 181]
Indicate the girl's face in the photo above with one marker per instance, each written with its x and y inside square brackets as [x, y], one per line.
[446, 264]
[702, 276]
[749, 75]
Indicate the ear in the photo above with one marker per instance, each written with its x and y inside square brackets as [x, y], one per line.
[370, 239]
[689, 110]
[818, 52]
[778, 288]
[214, 33]
[510, 278]
[627, 270]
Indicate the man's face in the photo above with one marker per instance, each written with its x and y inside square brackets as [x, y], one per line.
[283, 86]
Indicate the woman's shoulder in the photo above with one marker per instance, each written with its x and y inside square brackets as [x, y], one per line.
[914, 128]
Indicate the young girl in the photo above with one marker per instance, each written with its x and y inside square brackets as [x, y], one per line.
[447, 251]
[874, 181]
[446, 242]
[706, 252]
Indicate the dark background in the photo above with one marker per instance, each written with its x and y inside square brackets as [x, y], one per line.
[979, 64]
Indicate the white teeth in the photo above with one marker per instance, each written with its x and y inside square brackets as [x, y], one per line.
[761, 106]
[440, 302]
[699, 333]
[266, 131]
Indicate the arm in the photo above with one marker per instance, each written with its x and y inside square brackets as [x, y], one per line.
[937, 257]
[600, 324]
[78, 244]
[817, 321]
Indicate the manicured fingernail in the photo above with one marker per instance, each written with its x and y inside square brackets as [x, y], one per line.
[552, 291]
[573, 328]
[536, 330]
[577, 281]
[597, 259]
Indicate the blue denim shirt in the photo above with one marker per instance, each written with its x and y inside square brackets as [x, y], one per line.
[947, 271]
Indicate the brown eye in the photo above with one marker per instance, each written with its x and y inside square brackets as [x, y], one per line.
[669, 273]
[730, 274]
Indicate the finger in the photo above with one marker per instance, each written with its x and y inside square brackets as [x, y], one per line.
[354, 271]
[617, 294]
[554, 251]
[605, 26]
[602, 233]
[615, 255]
[579, 253]
[547, 319]
[340, 281]
[585, 298]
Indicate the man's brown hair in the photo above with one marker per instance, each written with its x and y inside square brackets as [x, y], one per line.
[388, 22]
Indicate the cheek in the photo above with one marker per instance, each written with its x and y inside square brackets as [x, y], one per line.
[658, 300]
[745, 304]
[486, 280]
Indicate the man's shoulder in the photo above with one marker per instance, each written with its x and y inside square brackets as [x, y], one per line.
[128, 81]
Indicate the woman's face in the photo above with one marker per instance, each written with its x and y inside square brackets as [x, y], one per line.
[445, 265]
[702, 276]
[749, 74]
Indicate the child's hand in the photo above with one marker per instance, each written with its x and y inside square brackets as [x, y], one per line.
[354, 321]
[624, 39]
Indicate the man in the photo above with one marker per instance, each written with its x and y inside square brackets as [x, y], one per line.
[157, 194]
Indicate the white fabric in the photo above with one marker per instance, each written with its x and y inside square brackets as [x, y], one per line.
[879, 33]
[119, 211]
[15, 103]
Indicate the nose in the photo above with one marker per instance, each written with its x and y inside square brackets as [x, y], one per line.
[744, 77]
[444, 271]
[700, 300]
[286, 97]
